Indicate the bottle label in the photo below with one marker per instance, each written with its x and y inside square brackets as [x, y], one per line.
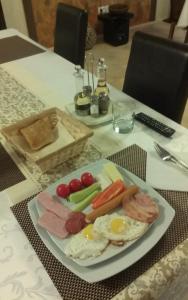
[82, 101]
[101, 89]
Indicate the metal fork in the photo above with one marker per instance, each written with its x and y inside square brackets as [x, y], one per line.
[167, 156]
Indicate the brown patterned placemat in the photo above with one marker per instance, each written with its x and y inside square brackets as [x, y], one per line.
[70, 286]
[10, 173]
[132, 158]
[14, 47]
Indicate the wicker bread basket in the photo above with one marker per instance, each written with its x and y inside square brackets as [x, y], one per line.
[57, 152]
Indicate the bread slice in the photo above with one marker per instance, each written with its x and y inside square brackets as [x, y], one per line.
[39, 134]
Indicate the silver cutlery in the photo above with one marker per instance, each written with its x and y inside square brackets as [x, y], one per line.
[167, 156]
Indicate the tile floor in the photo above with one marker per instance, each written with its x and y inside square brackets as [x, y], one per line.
[117, 57]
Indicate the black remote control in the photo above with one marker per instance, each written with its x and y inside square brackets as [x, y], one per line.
[154, 124]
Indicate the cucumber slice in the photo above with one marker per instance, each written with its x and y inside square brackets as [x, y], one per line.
[84, 203]
[81, 195]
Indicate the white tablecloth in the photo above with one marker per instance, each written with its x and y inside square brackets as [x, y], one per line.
[22, 275]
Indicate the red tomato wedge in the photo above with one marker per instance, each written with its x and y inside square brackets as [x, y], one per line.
[110, 192]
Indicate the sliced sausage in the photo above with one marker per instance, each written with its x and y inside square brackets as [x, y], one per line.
[75, 223]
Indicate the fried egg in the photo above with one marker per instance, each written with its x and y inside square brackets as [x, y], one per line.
[86, 243]
[117, 227]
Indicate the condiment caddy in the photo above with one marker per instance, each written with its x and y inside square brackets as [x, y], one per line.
[91, 101]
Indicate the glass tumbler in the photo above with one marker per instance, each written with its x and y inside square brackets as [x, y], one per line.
[122, 117]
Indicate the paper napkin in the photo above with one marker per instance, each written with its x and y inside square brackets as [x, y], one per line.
[166, 175]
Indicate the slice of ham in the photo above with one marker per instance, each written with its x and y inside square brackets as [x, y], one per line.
[53, 224]
[141, 208]
[53, 206]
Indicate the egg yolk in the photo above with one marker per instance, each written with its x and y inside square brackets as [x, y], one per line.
[88, 232]
[118, 225]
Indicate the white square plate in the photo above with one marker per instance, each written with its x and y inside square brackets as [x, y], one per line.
[112, 264]
[111, 250]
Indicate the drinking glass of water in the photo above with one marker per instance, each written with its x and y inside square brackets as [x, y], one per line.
[123, 117]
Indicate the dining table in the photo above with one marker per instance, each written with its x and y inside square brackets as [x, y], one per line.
[32, 79]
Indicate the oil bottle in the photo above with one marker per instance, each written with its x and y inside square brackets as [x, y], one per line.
[101, 78]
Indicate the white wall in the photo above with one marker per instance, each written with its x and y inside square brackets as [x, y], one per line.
[162, 9]
[14, 15]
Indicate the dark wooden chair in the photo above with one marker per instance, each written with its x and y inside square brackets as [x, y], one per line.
[175, 11]
[70, 33]
[157, 74]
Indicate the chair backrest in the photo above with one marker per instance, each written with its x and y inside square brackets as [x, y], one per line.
[70, 33]
[157, 74]
[175, 9]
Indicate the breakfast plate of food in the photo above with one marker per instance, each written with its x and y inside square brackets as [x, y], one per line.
[103, 235]
[99, 213]
[92, 274]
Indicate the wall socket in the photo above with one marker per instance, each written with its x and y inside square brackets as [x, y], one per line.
[103, 9]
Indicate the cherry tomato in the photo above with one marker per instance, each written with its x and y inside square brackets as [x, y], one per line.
[75, 185]
[87, 179]
[63, 190]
